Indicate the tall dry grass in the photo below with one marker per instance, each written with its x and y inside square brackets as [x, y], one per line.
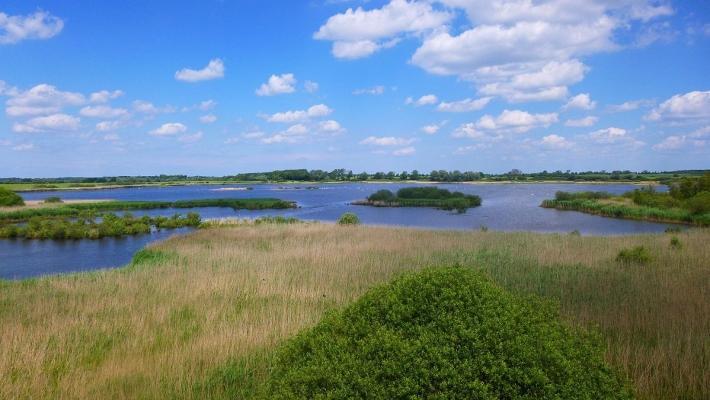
[200, 316]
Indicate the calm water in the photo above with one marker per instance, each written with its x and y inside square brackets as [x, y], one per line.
[506, 207]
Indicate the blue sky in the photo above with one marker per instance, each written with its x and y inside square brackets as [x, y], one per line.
[220, 87]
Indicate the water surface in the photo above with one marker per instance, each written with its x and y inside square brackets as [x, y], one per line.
[506, 207]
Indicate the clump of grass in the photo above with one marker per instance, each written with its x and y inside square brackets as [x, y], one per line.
[277, 220]
[53, 200]
[575, 233]
[349, 219]
[483, 228]
[449, 333]
[675, 243]
[672, 229]
[634, 255]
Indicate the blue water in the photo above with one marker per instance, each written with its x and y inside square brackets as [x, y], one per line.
[506, 207]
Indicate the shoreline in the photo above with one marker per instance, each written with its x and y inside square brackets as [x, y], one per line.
[417, 182]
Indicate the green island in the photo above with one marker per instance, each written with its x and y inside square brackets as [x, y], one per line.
[58, 209]
[686, 202]
[282, 309]
[422, 197]
[341, 175]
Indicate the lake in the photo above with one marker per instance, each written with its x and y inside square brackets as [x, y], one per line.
[506, 207]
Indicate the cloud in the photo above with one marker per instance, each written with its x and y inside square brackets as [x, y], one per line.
[111, 137]
[582, 122]
[105, 126]
[671, 143]
[41, 100]
[253, 134]
[146, 107]
[213, 70]
[431, 129]
[207, 105]
[105, 112]
[104, 96]
[208, 119]
[555, 142]
[375, 91]
[631, 105]
[50, 123]
[465, 105]
[581, 102]
[461, 150]
[539, 81]
[316, 111]
[386, 141]
[330, 127]
[24, 147]
[310, 86]
[427, 99]
[169, 129]
[516, 121]
[690, 106]
[39, 25]
[405, 151]
[609, 135]
[697, 138]
[357, 33]
[196, 137]
[277, 84]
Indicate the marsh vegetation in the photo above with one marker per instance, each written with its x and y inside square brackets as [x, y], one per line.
[201, 316]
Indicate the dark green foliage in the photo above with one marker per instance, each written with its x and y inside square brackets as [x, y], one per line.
[672, 229]
[149, 256]
[72, 210]
[688, 187]
[575, 233]
[348, 219]
[382, 195]
[8, 198]
[84, 227]
[53, 199]
[581, 195]
[425, 197]
[634, 255]
[445, 333]
[699, 203]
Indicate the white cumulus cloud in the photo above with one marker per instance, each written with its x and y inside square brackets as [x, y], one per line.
[465, 105]
[169, 129]
[277, 84]
[38, 25]
[213, 70]
[49, 123]
[688, 106]
[386, 141]
[581, 101]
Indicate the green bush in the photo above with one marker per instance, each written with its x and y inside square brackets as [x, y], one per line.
[8, 198]
[444, 333]
[699, 204]
[348, 219]
[634, 255]
[382, 195]
[53, 199]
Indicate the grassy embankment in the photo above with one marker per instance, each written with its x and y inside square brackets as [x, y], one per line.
[199, 316]
[422, 197]
[640, 204]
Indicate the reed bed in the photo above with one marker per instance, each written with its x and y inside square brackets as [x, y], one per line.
[199, 316]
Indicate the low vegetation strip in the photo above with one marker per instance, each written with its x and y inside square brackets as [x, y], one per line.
[75, 209]
[422, 197]
[673, 215]
[110, 225]
[448, 333]
[200, 316]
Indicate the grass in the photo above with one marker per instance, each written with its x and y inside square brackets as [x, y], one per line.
[74, 209]
[422, 197]
[200, 316]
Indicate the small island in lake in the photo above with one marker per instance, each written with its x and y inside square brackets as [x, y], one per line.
[422, 197]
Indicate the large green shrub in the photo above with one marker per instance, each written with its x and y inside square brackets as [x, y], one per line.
[445, 333]
[382, 195]
[9, 198]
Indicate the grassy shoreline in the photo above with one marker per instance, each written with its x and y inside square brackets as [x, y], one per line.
[28, 187]
[200, 315]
